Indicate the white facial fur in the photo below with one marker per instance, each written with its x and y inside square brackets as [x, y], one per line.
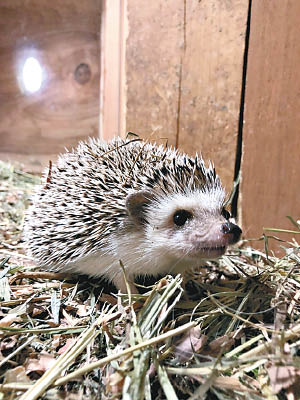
[199, 233]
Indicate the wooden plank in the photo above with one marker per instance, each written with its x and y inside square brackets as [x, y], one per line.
[152, 62]
[112, 38]
[184, 63]
[212, 66]
[64, 39]
[271, 139]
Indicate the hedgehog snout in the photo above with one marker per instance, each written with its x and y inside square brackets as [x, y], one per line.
[216, 235]
[232, 231]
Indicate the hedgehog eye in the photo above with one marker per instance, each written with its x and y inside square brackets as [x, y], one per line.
[225, 213]
[181, 216]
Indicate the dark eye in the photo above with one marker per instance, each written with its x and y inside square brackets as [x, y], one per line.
[226, 214]
[181, 216]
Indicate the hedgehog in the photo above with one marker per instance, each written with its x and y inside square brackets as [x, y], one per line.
[148, 207]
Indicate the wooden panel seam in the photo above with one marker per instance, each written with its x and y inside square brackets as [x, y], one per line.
[236, 207]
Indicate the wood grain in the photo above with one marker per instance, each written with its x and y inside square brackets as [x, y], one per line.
[152, 63]
[212, 66]
[113, 37]
[184, 63]
[271, 138]
[64, 38]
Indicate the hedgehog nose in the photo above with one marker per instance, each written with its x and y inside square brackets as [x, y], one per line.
[230, 228]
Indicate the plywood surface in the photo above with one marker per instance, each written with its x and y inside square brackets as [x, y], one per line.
[184, 63]
[64, 38]
[270, 165]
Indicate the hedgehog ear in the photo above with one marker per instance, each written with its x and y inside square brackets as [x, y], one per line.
[135, 204]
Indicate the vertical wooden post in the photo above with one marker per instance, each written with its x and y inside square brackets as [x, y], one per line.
[113, 35]
[271, 134]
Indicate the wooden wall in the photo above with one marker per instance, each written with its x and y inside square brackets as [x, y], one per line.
[183, 73]
[64, 38]
[271, 134]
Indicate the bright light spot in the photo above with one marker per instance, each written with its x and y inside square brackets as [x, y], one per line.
[32, 75]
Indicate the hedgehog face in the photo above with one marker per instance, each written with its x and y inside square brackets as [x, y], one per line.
[184, 226]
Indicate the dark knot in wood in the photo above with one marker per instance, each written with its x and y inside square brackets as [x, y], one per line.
[82, 73]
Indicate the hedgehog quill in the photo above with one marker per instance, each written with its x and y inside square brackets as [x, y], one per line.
[157, 210]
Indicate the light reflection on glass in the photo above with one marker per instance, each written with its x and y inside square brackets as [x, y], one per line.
[32, 75]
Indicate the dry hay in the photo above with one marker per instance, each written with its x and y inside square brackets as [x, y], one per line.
[233, 333]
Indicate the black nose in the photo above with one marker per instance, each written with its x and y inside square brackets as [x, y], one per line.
[235, 230]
